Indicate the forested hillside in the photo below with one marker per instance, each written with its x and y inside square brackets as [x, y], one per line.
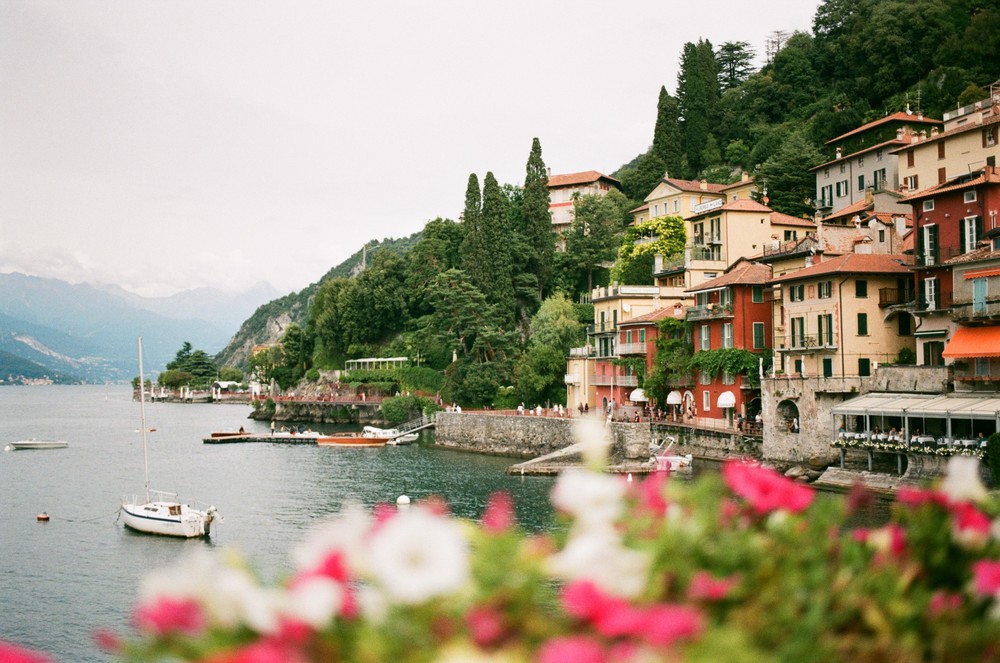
[489, 302]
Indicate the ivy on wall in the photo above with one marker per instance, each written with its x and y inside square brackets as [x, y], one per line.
[734, 361]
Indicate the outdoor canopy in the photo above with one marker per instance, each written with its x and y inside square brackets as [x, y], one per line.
[638, 396]
[726, 399]
[970, 342]
[674, 398]
[917, 405]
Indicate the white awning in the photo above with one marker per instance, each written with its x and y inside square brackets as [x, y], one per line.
[674, 398]
[726, 399]
[638, 396]
[922, 405]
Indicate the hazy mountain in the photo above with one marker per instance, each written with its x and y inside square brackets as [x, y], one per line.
[91, 332]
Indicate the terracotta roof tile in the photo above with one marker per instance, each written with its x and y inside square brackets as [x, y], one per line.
[780, 219]
[586, 177]
[988, 175]
[652, 316]
[693, 185]
[948, 134]
[900, 117]
[743, 272]
[895, 142]
[982, 253]
[851, 263]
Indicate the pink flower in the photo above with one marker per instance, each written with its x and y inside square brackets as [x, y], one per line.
[970, 520]
[916, 497]
[578, 649]
[13, 654]
[265, 651]
[105, 640]
[485, 625]
[668, 623]
[703, 587]
[583, 600]
[498, 516]
[167, 615]
[986, 577]
[943, 602]
[650, 492]
[610, 615]
[765, 489]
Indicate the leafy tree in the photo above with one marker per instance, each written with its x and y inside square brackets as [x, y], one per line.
[539, 375]
[556, 325]
[439, 249]
[230, 374]
[790, 186]
[670, 368]
[595, 234]
[669, 237]
[196, 362]
[639, 180]
[174, 379]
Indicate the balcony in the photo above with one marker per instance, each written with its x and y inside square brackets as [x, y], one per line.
[602, 380]
[977, 371]
[804, 343]
[709, 312]
[939, 304]
[601, 328]
[584, 352]
[894, 297]
[967, 311]
[571, 378]
[705, 253]
[931, 259]
[631, 349]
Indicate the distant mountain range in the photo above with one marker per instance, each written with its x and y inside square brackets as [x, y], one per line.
[83, 333]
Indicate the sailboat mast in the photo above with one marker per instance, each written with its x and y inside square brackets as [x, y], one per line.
[142, 418]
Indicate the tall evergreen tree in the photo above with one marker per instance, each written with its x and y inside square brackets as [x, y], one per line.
[537, 218]
[494, 274]
[667, 134]
[474, 242]
[698, 97]
[735, 60]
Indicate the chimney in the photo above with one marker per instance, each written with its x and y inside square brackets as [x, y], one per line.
[899, 133]
[744, 176]
[839, 152]
[934, 131]
[548, 171]
[809, 261]
[657, 263]
[703, 185]
[923, 134]
[869, 195]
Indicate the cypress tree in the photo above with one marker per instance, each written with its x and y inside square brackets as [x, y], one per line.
[473, 242]
[698, 97]
[667, 134]
[493, 275]
[537, 229]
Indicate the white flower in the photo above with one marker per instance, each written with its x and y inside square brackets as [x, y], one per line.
[591, 432]
[417, 555]
[345, 533]
[314, 601]
[598, 555]
[961, 481]
[592, 498]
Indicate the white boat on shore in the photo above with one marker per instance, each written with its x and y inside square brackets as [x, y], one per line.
[161, 512]
[667, 462]
[393, 435]
[38, 444]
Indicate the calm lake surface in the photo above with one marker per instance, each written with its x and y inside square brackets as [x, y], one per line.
[61, 580]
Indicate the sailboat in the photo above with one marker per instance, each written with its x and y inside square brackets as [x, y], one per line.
[161, 513]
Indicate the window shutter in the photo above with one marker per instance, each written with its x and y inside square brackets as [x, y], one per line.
[979, 228]
[920, 245]
[961, 236]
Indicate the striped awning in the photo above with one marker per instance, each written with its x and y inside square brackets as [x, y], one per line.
[970, 342]
[982, 273]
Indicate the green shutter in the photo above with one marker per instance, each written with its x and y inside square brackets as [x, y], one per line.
[862, 324]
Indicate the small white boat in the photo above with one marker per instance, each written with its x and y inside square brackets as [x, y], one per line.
[666, 462]
[38, 444]
[161, 512]
[393, 434]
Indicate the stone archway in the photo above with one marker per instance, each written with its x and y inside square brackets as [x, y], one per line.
[788, 417]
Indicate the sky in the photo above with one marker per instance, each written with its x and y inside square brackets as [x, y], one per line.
[165, 146]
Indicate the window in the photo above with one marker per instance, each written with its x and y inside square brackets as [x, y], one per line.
[969, 196]
[930, 294]
[798, 366]
[758, 336]
[881, 235]
[904, 326]
[989, 136]
[861, 288]
[642, 335]
[861, 182]
[910, 183]
[706, 401]
[727, 335]
[628, 337]
[930, 245]
[941, 175]
[826, 195]
[827, 367]
[982, 366]
[843, 167]
[728, 378]
[791, 235]
[704, 377]
[825, 289]
[941, 150]
[909, 158]
[703, 337]
[979, 296]
[864, 367]
[842, 188]
[878, 179]
[969, 230]
[757, 294]
[796, 293]
[824, 329]
[933, 353]
[878, 155]
[862, 324]
[929, 205]
[798, 332]
[677, 204]
[826, 172]
[861, 160]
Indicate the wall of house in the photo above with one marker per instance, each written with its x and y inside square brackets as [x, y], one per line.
[963, 153]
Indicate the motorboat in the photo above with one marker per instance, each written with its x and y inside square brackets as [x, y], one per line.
[667, 462]
[38, 444]
[395, 437]
[159, 512]
[356, 440]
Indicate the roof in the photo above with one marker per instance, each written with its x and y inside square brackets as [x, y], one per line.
[747, 205]
[694, 185]
[851, 263]
[780, 219]
[740, 183]
[980, 253]
[953, 405]
[968, 342]
[898, 142]
[743, 272]
[988, 175]
[948, 134]
[895, 117]
[639, 208]
[652, 316]
[586, 177]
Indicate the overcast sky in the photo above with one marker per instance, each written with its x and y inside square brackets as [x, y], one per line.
[168, 145]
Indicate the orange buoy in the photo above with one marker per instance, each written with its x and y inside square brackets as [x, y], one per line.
[43, 517]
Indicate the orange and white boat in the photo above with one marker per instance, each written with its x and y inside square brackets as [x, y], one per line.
[351, 440]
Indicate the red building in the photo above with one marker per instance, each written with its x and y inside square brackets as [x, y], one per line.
[730, 311]
[949, 221]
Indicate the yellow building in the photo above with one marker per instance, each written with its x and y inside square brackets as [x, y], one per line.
[832, 322]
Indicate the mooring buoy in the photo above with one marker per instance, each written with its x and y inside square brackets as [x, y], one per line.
[402, 502]
[42, 517]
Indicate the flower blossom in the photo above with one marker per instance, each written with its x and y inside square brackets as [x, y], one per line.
[598, 555]
[764, 489]
[498, 517]
[168, 615]
[579, 649]
[13, 654]
[344, 534]
[704, 587]
[417, 556]
[961, 481]
[970, 526]
[986, 577]
[592, 498]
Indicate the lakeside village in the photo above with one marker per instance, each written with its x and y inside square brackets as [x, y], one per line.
[880, 318]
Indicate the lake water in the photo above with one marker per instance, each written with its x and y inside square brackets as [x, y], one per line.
[61, 580]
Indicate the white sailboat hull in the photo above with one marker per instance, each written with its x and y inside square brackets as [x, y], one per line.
[167, 518]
